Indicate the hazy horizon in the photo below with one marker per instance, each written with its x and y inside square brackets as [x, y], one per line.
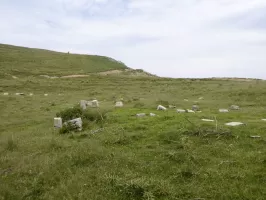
[168, 38]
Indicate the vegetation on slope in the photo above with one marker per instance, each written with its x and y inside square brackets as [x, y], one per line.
[27, 61]
[171, 156]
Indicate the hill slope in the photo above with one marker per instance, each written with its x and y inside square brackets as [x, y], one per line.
[27, 61]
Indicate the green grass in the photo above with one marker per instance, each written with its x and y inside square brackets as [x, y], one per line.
[20, 61]
[170, 156]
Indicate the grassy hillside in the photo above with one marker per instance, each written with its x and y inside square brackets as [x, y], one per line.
[26, 61]
[171, 156]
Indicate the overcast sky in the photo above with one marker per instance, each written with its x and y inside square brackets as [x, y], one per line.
[173, 38]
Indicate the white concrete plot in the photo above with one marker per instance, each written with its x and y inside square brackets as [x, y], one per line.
[95, 103]
[207, 120]
[171, 106]
[160, 107]
[76, 122]
[58, 122]
[89, 103]
[223, 110]
[83, 104]
[201, 98]
[20, 94]
[6, 94]
[195, 108]
[119, 104]
[152, 114]
[31, 94]
[141, 115]
[234, 124]
[255, 136]
[190, 111]
[185, 99]
[180, 111]
[263, 120]
[234, 107]
[45, 95]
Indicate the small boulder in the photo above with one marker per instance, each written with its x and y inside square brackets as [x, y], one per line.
[207, 120]
[95, 104]
[223, 110]
[89, 103]
[31, 94]
[195, 108]
[171, 106]
[58, 122]
[45, 95]
[5, 94]
[141, 115]
[160, 107]
[83, 104]
[20, 94]
[119, 104]
[201, 98]
[234, 124]
[234, 107]
[75, 122]
[180, 111]
[255, 136]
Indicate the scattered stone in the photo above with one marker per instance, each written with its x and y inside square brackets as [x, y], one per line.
[51, 77]
[190, 111]
[5, 94]
[207, 120]
[95, 104]
[45, 95]
[31, 94]
[201, 98]
[195, 108]
[234, 124]
[185, 99]
[76, 122]
[234, 107]
[14, 77]
[160, 107]
[152, 114]
[180, 110]
[263, 119]
[255, 136]
[83, 104]
[141, 115]
[58, 122]
[171, 106]
[20, 94]
[119, 104]
[223, 110]
[89, 103]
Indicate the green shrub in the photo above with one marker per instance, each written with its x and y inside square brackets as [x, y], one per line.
[68, 127]
[70, 113]
[87, 116]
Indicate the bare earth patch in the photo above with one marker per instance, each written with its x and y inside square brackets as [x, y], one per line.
[110, 72]
[75, 76]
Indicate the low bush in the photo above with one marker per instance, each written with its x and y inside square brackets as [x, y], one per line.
[88, 116]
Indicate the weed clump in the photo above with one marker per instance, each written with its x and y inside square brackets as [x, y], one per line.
[89, 116]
